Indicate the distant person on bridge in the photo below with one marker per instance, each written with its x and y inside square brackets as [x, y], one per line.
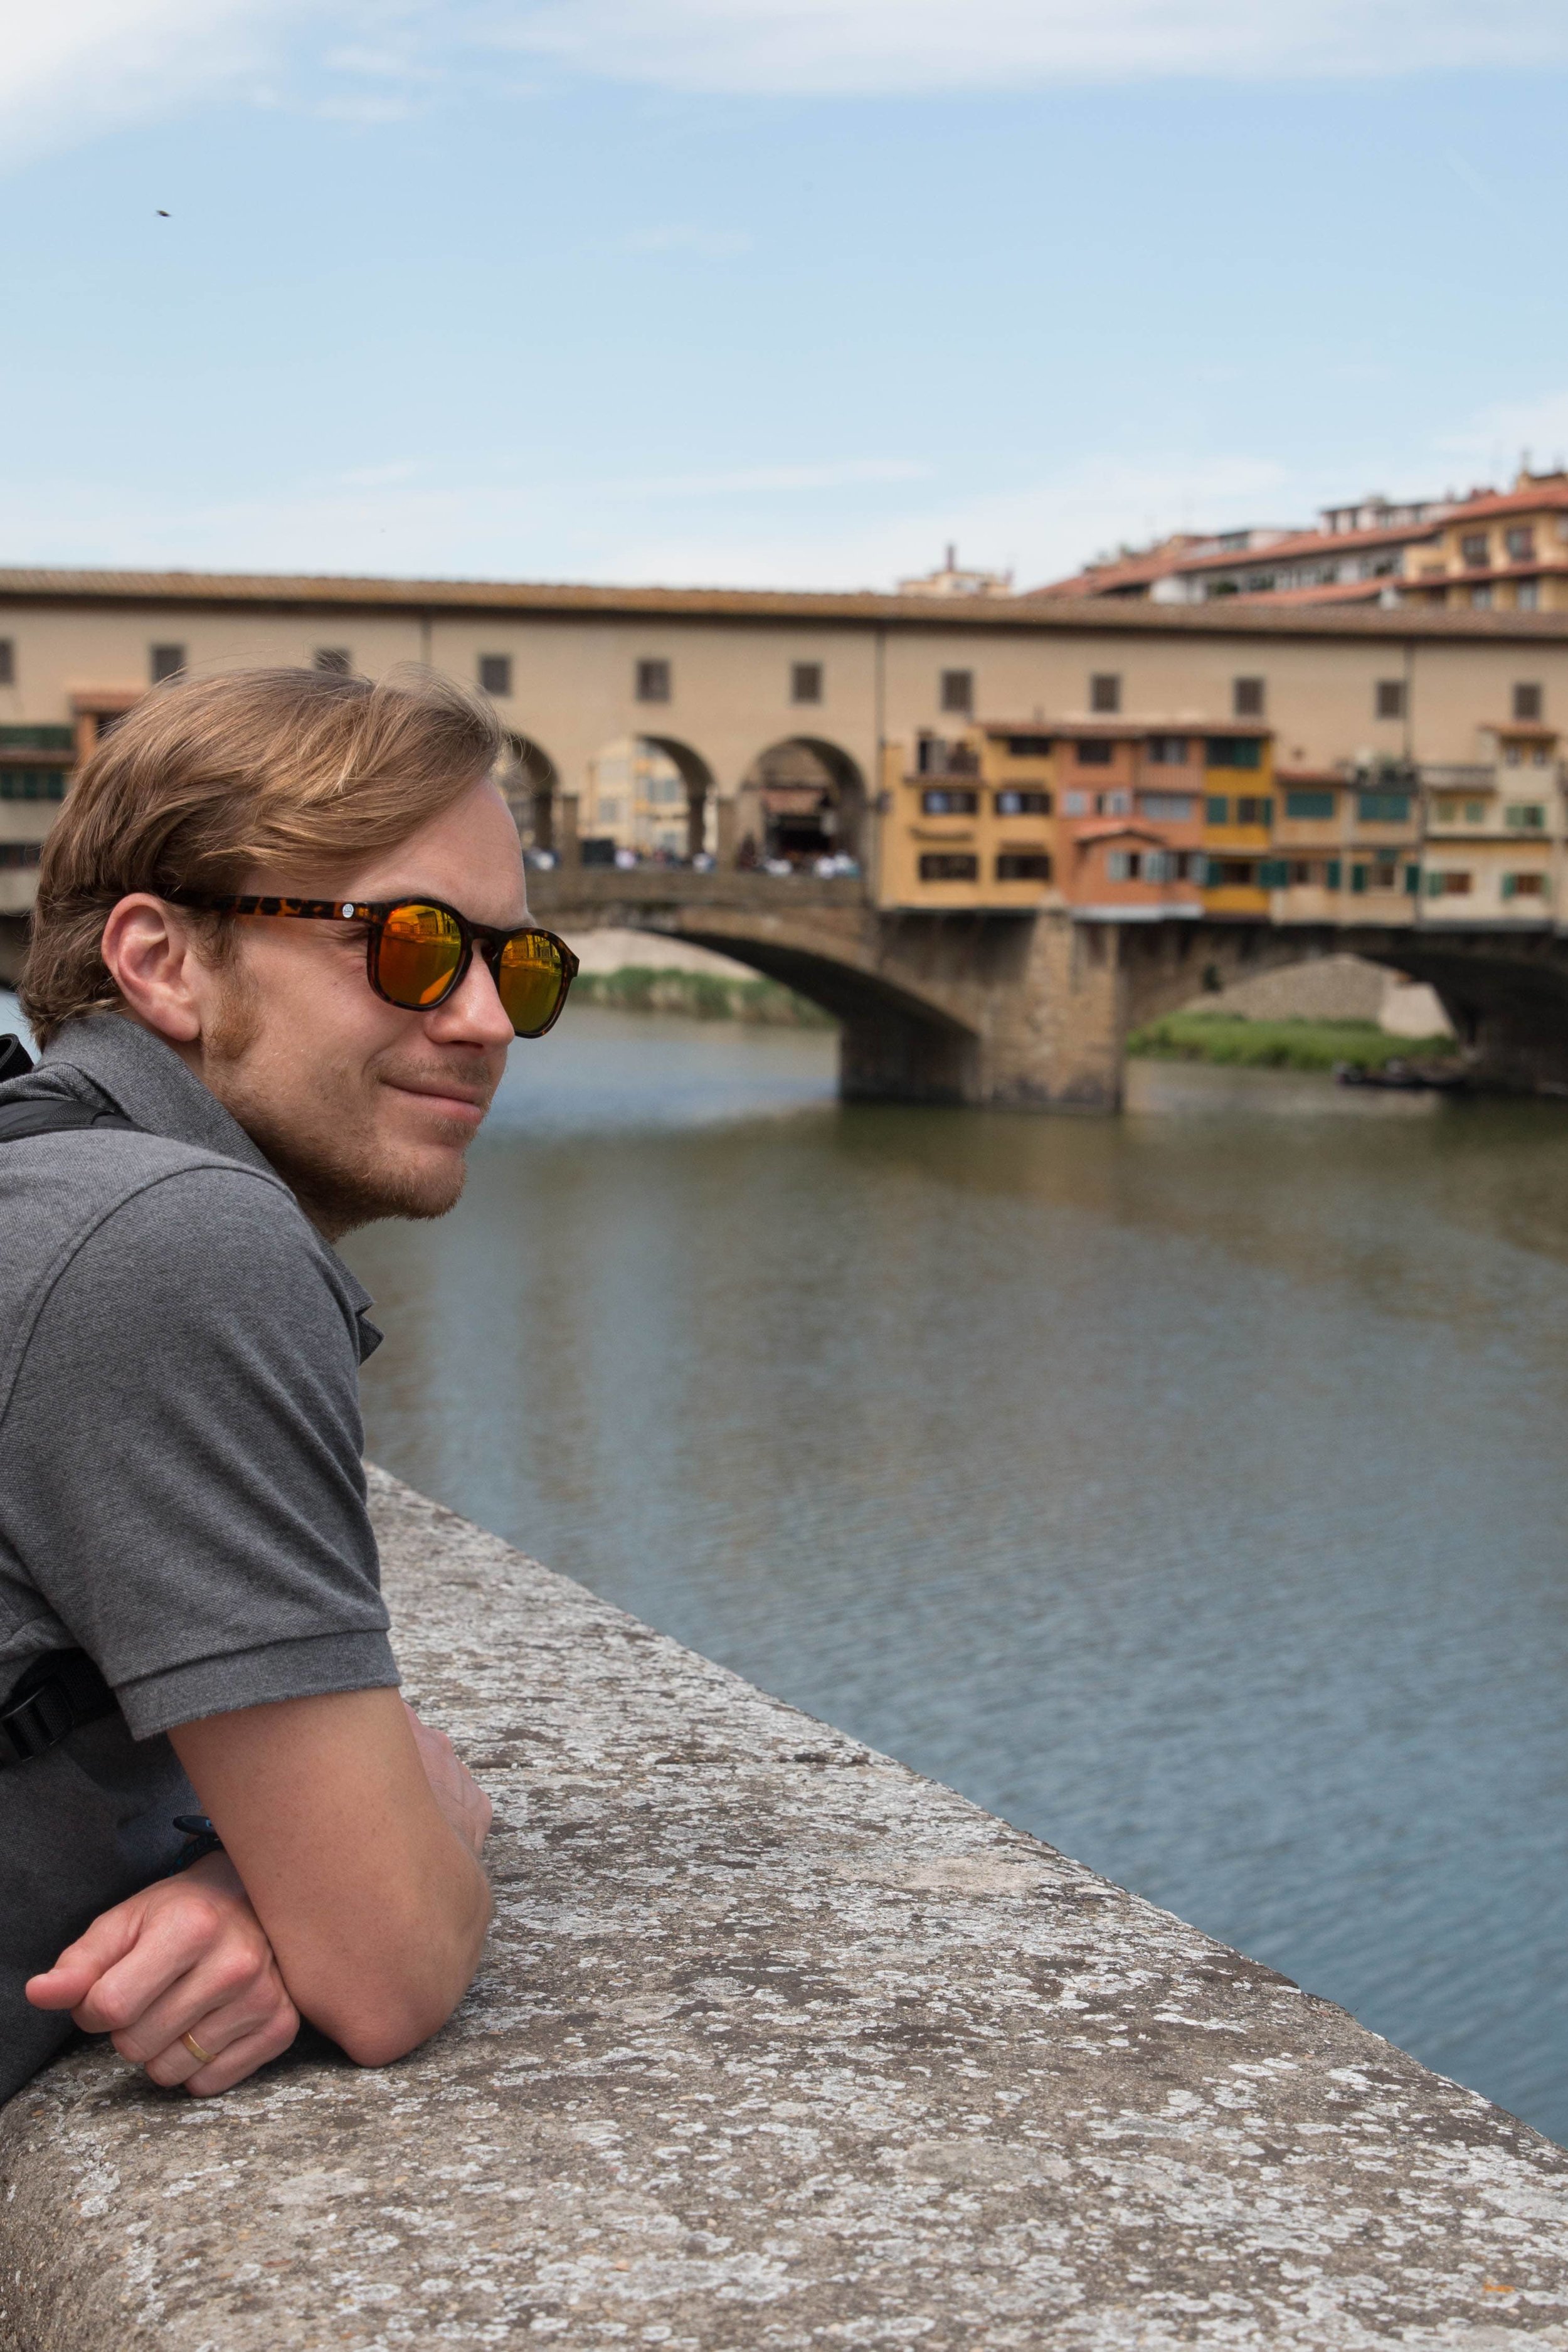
[280, 949]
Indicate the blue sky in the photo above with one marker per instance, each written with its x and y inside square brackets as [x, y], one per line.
[761, 291]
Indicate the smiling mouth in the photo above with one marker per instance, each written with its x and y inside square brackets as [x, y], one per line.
[450, 1105]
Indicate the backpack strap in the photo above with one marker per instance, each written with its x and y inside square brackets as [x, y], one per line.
[43, 1117]
[57, 1693]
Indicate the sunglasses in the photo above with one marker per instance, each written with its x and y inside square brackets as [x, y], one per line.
[418, 951]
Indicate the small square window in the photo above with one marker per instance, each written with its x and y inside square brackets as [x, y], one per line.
[1388, 697]
[1475, 550]
[806, 682]
[653, 681]
[334, 659]
[165, 661]
[7, 662]
[1094, 751]
[1104, 691]
[957, 689]
[495, 674]
[1527, 702]
[1247, 698]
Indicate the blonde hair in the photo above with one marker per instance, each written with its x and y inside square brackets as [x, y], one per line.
[303, 772]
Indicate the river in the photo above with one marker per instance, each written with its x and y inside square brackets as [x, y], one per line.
[1188, 1487]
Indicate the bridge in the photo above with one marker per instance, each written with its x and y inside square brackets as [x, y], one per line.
[1032, 1011]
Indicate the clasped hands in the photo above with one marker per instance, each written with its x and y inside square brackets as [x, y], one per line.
[188, 1955]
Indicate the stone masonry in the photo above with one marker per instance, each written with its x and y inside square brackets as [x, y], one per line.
[777, 2045]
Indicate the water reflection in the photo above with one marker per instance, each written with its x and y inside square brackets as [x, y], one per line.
[1187, 1487]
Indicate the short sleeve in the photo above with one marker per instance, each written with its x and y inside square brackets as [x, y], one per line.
[180, 1458]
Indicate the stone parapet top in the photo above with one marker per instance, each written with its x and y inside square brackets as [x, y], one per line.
[776, 2045]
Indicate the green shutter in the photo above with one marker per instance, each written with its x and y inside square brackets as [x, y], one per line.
[1358, 878]
[1412, 881]
[1216, 812]
[1335, 873]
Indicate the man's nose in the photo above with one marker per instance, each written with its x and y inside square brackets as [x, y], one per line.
[473, 1014]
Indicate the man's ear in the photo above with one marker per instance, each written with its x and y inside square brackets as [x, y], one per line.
[149, 956]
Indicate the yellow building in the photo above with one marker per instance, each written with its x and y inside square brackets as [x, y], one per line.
[971, 820]
[1502, 552]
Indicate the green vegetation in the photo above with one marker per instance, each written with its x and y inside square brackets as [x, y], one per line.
[700, 996]
[1280, 1045]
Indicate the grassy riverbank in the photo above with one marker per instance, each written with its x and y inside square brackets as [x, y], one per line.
[700, 996]
[1231, 1037]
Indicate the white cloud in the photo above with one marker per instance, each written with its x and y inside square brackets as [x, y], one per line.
[81, 66]
[775, 48]
[76, 66]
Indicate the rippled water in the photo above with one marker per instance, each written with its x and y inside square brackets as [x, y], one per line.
[1188, 1487]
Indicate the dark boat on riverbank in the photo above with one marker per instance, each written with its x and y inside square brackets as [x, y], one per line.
[1405, 1077]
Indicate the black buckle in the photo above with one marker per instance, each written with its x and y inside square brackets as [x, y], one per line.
[37, 1722]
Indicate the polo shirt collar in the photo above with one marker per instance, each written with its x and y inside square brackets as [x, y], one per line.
[144, 1079]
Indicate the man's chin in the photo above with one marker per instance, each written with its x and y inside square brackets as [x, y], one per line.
[339, 1196]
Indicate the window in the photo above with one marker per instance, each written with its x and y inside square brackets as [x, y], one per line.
[1029, 747]
[165, 661]
[1234, 751]
[1520, 543]
[1537, 758]
[15, 853]
[1216, 811]
[1527, 702]
[1475, 812]
[495, 674]
[1524, 816]
[1160, 865]
[32, 783]
[1167, 751]
[1300, 871]
[335, 660]
[957, 689]
[1247, 698]
[1023, 865]
[1075, 805]
[1114, 804]
[653, 681]
[948, 866]
[7, 662]
[806, 682]
[1018, 803]
[1474, 550]
[1123, 865]
[1104, 691]
[1254, 812]
[1273, 874]
[1524, 885]
[1447, 885]
[1383, 808]
[1230, 872]
[1388, 697]
[1309, 807]
[1512, 755]
[1168, 808]
[949, 803]
[1384, 874]
[1527, 597]
[1094, 753]
[1481, 599]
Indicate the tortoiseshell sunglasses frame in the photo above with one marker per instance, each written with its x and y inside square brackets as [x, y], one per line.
[490, 942]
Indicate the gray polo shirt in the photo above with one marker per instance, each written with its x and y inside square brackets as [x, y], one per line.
[181, 1489]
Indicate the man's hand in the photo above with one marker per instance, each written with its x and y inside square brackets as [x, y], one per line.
[459, 1796]
[187, 1955]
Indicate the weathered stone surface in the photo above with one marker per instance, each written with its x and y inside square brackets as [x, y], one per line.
[776, 2045]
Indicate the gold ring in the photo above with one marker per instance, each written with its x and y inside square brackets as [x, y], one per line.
[206, 2057]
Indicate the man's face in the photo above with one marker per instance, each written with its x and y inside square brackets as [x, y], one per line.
[365, 1109]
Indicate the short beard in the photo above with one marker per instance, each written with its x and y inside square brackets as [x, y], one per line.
[338, 1191]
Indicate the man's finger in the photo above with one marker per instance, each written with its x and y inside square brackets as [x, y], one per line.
[172, 1942]
[80, 1965]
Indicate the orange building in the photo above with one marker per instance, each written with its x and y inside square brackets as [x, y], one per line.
[1505, 550]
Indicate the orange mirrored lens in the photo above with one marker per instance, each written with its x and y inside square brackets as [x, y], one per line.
[531, 982]
[421, 948]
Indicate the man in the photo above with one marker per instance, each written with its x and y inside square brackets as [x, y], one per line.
[280, 947]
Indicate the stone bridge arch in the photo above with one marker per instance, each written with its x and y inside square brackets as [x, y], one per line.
[801, 798]
[532, 782]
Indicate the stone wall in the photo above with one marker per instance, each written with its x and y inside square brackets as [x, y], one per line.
[776, 2045]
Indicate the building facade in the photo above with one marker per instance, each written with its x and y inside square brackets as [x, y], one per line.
[1105, 755]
